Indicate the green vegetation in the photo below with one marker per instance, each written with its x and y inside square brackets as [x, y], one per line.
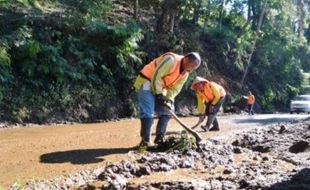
[19, 184]
[306, 86]
[53, 65]
[184, 143]
[76, 60]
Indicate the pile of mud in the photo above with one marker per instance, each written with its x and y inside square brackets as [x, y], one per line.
[276, 157]
[290, 142]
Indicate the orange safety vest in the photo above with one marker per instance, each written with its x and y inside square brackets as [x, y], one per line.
[251, 99]
[207, 93]
[174, 74]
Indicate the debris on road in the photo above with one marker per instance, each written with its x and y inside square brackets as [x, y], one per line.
[259, 159]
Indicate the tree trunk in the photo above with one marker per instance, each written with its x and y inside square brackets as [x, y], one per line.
[196, 12]
[169, 16]
[136, 10]
[206, 22]
[221, 14]
[249, 9]
[161, 20]
[254, 43]
[172, 21]
[254, 14]
[301, 17]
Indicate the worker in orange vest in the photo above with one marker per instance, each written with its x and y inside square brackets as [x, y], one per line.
[210, 97]
[250, 102]
[157, 84]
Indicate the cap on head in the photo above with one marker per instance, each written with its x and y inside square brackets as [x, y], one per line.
[194, 58]
[198, 80]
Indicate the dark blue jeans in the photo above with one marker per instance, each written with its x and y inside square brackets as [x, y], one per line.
[212, 116]
[250, 109]
[146, 101]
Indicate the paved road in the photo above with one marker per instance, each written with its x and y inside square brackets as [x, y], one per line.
[263, 119]
[46, 152]
[233, 124]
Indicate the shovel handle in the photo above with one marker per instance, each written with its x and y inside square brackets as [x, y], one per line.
[194, 133]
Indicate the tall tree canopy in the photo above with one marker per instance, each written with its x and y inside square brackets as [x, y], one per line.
[57, 57]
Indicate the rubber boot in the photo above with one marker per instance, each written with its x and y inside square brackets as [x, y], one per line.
[161, 128]
[215, 126]
[211, 118]
[145, 131]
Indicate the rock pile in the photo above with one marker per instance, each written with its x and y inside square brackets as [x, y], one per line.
[289, 142]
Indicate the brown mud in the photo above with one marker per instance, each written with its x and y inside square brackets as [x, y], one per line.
[60, 150]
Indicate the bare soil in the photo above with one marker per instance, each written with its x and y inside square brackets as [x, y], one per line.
[59, 150]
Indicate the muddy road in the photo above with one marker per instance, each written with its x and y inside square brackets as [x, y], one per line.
[45, 152]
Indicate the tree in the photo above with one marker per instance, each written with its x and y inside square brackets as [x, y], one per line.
[301, 17]
[197, 10]
[136, 9]
[255, 39]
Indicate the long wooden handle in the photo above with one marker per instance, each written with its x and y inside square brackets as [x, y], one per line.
[196, 135]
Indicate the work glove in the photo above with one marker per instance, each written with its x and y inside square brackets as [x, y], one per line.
[169, 104]
[161, 100]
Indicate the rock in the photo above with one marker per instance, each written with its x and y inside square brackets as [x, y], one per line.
[143, 159]
[307, 136]
[186, 164]
[216, 185]
[243, 184]
[228, 170]
[229, 185]
[236, 143]
[165, 167]
[143, 170]
[300, 146]
[118, 183]
[282, 129]
[261, 149]
[237, 150]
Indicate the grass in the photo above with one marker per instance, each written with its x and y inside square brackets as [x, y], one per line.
[19, 184]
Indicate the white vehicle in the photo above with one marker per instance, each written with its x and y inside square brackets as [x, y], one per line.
[300, 103]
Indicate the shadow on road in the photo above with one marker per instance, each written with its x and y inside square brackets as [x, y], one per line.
[300, 181]
[80, 156]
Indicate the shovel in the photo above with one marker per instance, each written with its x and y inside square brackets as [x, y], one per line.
[187, 128]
